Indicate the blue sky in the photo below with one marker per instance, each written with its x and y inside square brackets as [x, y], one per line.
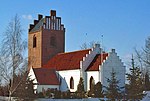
[124, 24]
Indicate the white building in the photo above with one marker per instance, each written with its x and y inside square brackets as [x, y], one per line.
[90, 64]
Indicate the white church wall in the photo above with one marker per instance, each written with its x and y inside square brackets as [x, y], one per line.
[40, 88]
[65, 81]
[31, 75]
[95, 75]
[112, 63]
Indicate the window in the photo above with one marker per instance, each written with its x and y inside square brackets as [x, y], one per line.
[34, 41]
[91, 82]
[71, 83]
[53, 41]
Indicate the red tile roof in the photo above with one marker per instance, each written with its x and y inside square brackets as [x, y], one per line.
[94, 66]
[46, 76]
[67, 61]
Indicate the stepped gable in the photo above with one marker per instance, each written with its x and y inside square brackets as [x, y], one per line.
[51, 22]
[67, 61]
[94, 66]
[46, 76]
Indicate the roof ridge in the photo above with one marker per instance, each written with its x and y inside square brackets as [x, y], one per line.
[74, 51]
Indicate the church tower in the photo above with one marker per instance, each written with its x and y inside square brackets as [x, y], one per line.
[46, 38]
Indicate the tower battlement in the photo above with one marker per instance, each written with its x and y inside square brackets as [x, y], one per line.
[51, 22]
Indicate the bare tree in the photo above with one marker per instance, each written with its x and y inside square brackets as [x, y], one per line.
[147, 52]
[143, 56]
[12, 53]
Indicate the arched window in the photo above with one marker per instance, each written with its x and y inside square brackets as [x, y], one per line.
[53, 41]
[92, 82]
[34, 41]
[71, 83]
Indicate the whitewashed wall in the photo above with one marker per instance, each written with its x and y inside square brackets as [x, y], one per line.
[95, 75]
[112, 63]
[31, 75]
[65, 82]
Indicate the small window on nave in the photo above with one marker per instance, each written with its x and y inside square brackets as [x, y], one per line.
[92, 82]
[71, 83]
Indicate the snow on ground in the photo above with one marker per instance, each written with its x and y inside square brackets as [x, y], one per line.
[147, 97]
[2, 98]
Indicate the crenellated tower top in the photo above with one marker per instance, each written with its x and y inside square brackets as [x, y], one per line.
[48, 22]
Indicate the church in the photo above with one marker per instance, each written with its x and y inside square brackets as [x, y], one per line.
[51, 67]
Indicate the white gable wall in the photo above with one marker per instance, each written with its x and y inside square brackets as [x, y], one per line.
[112, 63]
[65, 79]
[31, 75]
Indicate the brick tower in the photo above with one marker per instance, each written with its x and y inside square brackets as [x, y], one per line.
[46, 38]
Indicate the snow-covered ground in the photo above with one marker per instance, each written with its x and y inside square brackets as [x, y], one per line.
[2, 98]
[147, 97]
[89, 99]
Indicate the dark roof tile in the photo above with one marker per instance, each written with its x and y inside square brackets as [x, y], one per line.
[46, 76]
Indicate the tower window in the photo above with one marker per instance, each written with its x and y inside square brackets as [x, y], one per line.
[53, 41]
[71, 83]
[34, 41]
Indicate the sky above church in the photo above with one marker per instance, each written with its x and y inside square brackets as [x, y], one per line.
[124, 24]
